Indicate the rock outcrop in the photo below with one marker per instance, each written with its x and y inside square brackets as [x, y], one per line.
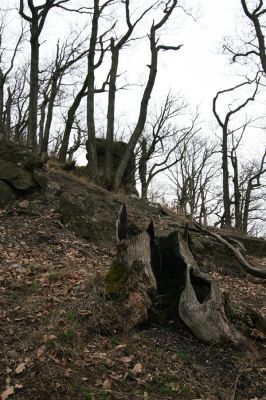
[20, 170]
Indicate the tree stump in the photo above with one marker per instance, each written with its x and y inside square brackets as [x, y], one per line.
[147, 267]
[131, 275]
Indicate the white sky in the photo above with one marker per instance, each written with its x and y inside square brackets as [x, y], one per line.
[197, 71]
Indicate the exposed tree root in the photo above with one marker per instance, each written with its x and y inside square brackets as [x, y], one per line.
[259, 272]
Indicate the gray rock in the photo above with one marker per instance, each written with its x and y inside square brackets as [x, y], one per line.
[24, 204]
[197, 244]
[6, 194]
[134, 196]
[20, 155]
[21, 167]
[18, 177]
[87, 215]
[77, 214]
[40, 178]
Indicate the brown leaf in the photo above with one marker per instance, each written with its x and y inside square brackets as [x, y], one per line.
[7, 393]
[107, 384]
[40, 351]
[49, 337]
[18, 386]
[126, 360]
[117, 377]
[137, 369]
[27, 360]
[20, 368]
[120, 347]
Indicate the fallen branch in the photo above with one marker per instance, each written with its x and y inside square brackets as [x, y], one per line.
[259, 272]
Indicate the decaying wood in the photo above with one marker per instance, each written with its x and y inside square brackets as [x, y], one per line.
[201, 304]
[137, 251]
[259, 272]
[134, 254]
[166, 265]
[259, 322]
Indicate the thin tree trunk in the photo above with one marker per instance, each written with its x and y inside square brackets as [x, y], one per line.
[143, 169]
[49, 118]
[34, 88]
[142, 113]
[226, 193]
[42, 119]
[7, 124]
[91, 142]
[246, 207]
[1, 103]
[70, 120]
[111, 112]
[237, 194]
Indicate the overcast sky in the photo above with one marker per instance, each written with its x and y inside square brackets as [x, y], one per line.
[197, 71]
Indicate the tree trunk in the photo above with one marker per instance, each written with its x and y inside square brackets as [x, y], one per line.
[1, 103]
[111, 113]
[42, 119]
[143, 169]
[34, 87]
[7, 121]
[246, 206]
[49, 117]
[226, 192]
[70, 120]
[142, 112]
[237, 194]
[91, 142]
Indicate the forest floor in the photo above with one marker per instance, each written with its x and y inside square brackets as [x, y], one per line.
[58, 339]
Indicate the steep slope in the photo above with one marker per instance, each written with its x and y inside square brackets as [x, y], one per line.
[58, 331]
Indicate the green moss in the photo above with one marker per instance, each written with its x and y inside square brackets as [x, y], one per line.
[72, 316]
[103, 395]
[187, 392]
[35, 286]
[69, 336]
[115, 280]
[166, 390]
[53, 277]
[168, 387]
[183, 356]
[87, 395]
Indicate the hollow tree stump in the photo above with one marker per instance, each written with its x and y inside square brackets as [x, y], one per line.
[131, 274]
[146, 264]
[201, 303]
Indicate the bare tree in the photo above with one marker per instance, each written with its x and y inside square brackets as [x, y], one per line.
[15, 114]
[70, 120]
[154, 49]
[251, 182]
[160, 140]
[193, 176]
[116, 47]
[255, 45]
[67, 54]
[35, 16]
[93, 64]
[6, 67]
[224, 123]
[71, 114]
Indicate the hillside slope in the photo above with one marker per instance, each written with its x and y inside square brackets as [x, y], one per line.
[58, 331]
